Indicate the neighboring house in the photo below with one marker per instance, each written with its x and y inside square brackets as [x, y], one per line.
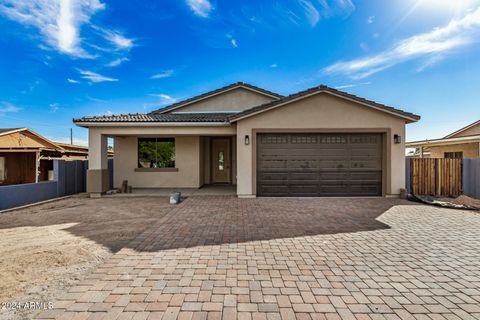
[26, 156]
[463, 143]
[318, 142]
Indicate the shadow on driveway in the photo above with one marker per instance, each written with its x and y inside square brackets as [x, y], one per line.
[216, 220]
[200, 221]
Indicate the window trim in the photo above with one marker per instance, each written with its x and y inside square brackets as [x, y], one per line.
[163, 169]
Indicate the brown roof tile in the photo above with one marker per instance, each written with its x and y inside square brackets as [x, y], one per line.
[167, 117]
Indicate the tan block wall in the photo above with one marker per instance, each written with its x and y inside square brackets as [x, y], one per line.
[470, 150]
[187, 160]
[235, 100]
[319, 113]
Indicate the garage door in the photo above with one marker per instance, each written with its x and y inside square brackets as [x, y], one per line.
[319, 164]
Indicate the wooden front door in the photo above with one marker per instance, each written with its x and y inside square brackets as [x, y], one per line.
[221, 160]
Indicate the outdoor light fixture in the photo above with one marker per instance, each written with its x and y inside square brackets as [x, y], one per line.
[247, 140]
[397, 139]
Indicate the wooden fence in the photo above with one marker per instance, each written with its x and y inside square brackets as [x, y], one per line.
[436, 177]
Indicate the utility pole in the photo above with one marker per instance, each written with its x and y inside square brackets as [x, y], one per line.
[71, 136]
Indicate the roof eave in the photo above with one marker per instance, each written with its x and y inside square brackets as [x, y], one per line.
[87, 124]
[443, 141]
[409, 119]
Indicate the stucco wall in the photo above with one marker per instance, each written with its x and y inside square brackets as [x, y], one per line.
[235, 100]
[187, 160]
[322, 112]
[470, 150]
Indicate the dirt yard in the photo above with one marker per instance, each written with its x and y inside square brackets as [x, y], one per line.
[46, 248]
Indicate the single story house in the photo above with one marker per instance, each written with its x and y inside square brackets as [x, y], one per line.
[317, 142]
[463, 143]
[27, 157]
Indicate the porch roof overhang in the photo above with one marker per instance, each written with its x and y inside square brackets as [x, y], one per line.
[153, 124]
[443, 142]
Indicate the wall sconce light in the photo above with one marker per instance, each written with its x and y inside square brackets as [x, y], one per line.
[247, 140]
[397, 139]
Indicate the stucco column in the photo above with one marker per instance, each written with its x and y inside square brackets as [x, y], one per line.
[245, 164]
[97, 174]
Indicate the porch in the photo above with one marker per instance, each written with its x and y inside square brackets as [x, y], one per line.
[156, 164]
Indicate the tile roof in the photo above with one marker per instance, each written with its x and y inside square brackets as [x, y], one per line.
[321, 88]
[159, 116]
[213, 92]
[167, 117]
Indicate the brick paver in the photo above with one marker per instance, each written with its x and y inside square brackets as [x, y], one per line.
[226, 258]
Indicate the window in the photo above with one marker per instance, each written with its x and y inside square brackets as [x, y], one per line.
[453, 155]
[221, 161]
[156, 152]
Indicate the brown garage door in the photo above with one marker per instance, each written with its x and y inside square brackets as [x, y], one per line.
[319, 164]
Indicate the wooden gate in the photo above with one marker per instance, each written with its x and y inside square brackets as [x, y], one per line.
[436, 177]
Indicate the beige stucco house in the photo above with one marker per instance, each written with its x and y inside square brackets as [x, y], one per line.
[463, 143]
[318, 142]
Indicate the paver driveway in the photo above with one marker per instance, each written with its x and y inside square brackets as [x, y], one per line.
[214, 257]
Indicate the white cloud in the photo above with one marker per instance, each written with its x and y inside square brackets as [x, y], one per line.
[117, 39]
[7, 107]
[234, 43]
[165, 98]
[117, 62]
[438, 42]
[54, 107]
[315, 10]
[95, 77]
[58, 21]
[163, 74]
[72, 81]
[274, 65]
[370, 19]
[352, 85]
[201, 8]
[311, 12]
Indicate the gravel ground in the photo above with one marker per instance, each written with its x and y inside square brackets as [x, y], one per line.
[45, 249]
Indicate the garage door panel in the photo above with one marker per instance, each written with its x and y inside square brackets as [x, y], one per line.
[366, 176]
[319, 164]
[365, 164]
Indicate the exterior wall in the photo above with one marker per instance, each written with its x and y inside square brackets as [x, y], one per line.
[470, 150]
[475, 130]
[187, 161]
[235, 100]
[207, 165]
[322, 113]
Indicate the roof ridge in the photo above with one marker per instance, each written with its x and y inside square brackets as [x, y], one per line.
[324, 88]
[212, 92]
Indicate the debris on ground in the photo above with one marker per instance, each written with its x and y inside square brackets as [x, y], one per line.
[461, 202]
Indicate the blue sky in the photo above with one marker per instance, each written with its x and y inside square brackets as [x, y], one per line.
[61, 59]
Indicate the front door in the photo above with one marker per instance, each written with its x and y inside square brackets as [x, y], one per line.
[221, 161]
